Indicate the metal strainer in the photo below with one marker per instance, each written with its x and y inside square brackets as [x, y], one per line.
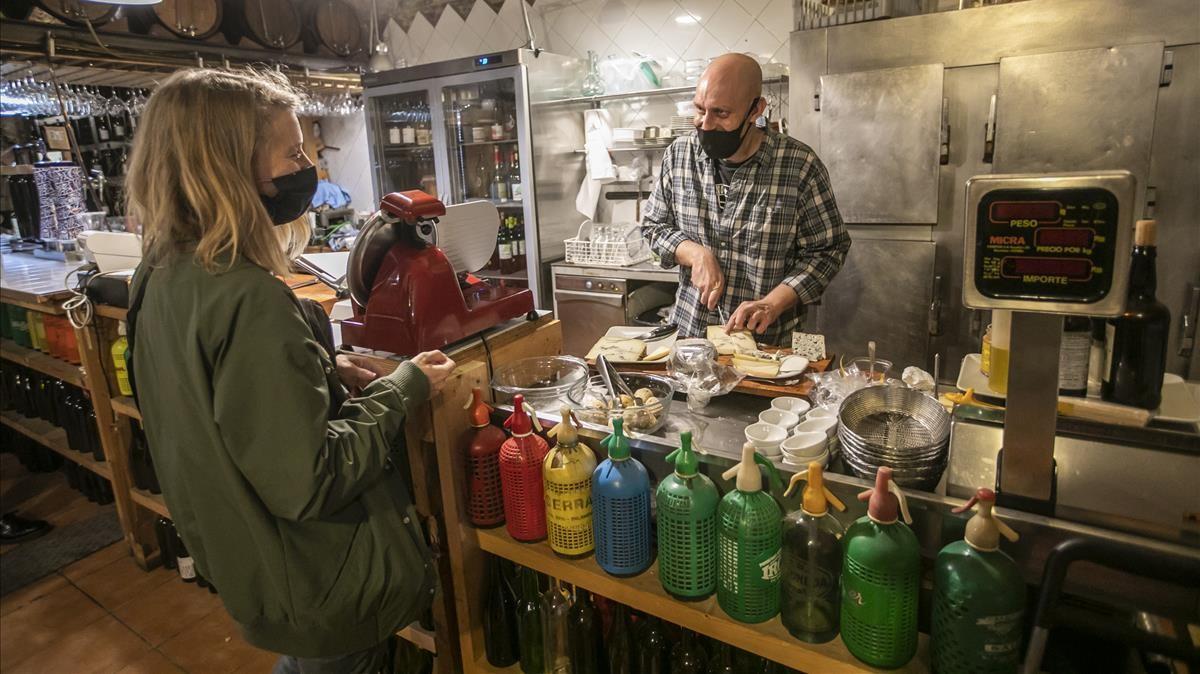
[897, 427]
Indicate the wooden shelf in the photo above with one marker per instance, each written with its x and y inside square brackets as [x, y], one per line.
[109, 311]
[420, 637]
[36, 360]
[644, 592]
[125, 406]
[55, 439]
[152, 502]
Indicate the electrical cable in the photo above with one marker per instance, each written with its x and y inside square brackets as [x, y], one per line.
[78, 307]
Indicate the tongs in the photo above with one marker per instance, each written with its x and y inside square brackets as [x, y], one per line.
[612, 379]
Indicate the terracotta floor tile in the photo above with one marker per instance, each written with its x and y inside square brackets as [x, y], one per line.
[44, 623]
[102, 647]
[167, 610]
[212, 645]
[122, 581]
[152, 662]
[29, 593]
[97, 560]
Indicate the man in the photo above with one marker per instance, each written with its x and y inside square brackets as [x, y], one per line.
[746, 213]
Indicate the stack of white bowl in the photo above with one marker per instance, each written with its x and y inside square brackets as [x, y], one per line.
[790, 430]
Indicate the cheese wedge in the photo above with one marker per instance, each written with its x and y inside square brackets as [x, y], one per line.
[741, 341]
[661, 353]
[618, 349]
[756, 365]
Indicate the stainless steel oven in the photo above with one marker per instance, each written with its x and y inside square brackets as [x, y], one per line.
[588, 307]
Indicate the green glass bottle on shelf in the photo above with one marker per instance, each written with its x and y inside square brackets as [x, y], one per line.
[556, 609]
[620, 642]
[500, 619]
[812, 561]
[978, 598]
[584, 636]
[686, 503]
[881, 572]
[652, 648]
[722, 661]
[687, 656]
[748, 538]
[529, 623]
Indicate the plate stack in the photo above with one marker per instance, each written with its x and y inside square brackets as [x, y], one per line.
[897, 427]
[681, 125]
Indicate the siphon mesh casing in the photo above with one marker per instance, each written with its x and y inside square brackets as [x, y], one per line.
[521, 481]
[687, 536]
[621, 516]
[748, 538]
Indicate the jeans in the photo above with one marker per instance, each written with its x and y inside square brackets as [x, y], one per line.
[369, 661]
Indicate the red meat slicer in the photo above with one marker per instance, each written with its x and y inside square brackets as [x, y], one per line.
[406, 295]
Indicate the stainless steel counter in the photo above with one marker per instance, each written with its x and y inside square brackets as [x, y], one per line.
[643, 271]
[25, 278]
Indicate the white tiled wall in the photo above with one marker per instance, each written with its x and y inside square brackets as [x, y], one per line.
[668, 30]
[671, 31]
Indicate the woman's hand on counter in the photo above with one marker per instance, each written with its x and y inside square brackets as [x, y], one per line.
[355, 372]
[437, 367]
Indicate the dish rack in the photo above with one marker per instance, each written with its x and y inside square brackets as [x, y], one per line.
[609, 245]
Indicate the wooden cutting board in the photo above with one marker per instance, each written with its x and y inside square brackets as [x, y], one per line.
[754, 387]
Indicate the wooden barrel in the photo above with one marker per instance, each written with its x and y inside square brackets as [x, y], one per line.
[274, 24]
[191, 19]
[337, 26]
[79, 13]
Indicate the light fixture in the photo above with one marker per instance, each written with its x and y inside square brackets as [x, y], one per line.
[127, 2]
[686, 19]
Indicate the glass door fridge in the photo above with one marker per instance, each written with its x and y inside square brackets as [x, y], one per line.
[404, 140]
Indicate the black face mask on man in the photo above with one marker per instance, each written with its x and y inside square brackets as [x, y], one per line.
[721, 144]
[295, 193]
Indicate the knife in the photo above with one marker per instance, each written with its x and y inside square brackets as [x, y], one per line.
[658, 333]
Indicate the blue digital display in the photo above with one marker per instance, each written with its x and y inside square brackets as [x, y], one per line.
[489, 60]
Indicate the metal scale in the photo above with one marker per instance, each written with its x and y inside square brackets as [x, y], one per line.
[1043, 245]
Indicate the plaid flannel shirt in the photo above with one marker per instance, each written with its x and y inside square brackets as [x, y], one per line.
[779, 225]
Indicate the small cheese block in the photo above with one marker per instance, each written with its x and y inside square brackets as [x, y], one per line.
[618, 349]
[741, 341]
[756, 366]
[810, 346]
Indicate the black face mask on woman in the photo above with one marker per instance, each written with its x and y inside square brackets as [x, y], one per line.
[721, 144]
[295, 193]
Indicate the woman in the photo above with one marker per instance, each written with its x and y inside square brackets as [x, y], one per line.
[296, 513]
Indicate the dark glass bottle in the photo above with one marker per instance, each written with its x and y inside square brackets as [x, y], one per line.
[529, 623]
[500, 619]
[585, 636]
[556, 618]
[722, 660]
[653, 650]
[687, 657]
[620, 642]
[1137, 340]
[164, 532]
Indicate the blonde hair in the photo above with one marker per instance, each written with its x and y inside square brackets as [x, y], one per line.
[190, 178]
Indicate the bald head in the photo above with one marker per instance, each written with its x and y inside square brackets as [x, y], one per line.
[738, 72]
[726, 90]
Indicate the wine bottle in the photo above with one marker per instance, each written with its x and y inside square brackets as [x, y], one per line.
[506, 252]
[164, 532]
[529, 623]
[499, 184]
[653, 649]
[183, 560]
[1137, 340]
[584, 636]
[687, 657]
[1073, 353]
[516, 191]
[556, 610]
[500, 619]
[722, 661]
[620, 642]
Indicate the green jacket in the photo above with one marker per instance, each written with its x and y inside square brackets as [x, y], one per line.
[303, 523]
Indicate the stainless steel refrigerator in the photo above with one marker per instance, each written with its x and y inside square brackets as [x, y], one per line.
[460, 130]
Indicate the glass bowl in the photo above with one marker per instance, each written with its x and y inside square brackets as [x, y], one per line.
[547, 382]
[647, 418]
